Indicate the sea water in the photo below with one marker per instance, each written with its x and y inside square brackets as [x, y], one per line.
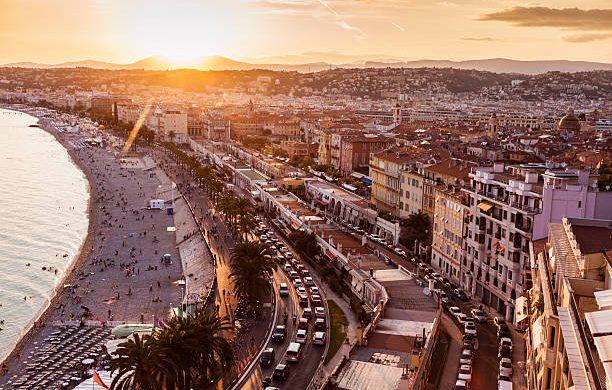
[43, 221]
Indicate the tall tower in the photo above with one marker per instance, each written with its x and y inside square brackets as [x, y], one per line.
[397, 114]
[493, 126]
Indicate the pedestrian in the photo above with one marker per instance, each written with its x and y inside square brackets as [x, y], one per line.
[151, 287]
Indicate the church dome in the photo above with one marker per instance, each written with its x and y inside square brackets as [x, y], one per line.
[569, 122]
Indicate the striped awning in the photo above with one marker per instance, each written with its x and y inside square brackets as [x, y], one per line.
[485, 207]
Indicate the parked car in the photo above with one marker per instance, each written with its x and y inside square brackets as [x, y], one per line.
[281, 371]
[287, 267]
[297, 283]
[454, 311]
[308, 281]
[319, 338]
[466, 357]
[319, 312]
[294, 275]
[400, 252]
[459, 294]
[320, 324]
[316, 300]
[267, 357]
[506, 342]
[465, 372]
[470, 328]
[301, 290]
[461, 318]
[505, 367]
[300, 336]
[460, 385]
[479, 315]
[279, 334]
[504, 353]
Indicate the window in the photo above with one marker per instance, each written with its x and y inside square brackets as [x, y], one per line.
[579, 204]
[551, 338]
[509, 275]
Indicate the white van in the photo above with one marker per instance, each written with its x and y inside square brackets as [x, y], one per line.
[283, 290]
[293, 352]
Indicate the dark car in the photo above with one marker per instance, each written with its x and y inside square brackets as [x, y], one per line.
[281, 371]
[303, 324]
[267, 357]
[320, 324]
[279, 334]
[459, 294]
[504, 352]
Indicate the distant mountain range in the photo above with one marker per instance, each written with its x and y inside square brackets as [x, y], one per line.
[497, 65]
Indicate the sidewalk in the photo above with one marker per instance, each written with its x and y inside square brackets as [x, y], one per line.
[351, 329]
[451, 364]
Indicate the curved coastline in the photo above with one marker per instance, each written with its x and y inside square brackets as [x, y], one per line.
[72, 268]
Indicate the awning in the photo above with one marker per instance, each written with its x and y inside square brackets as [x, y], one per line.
[485, 207]
[330, 255]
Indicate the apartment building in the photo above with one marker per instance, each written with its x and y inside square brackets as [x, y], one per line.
[411, 193]
[324, 153]
[508, 208]
[174, 123]
[447, 241]
[568, 344]
[288, 129]
[195, 124]
[385, 170]
[448, 172]
[336, 150]
[128, 113]
[356, 151]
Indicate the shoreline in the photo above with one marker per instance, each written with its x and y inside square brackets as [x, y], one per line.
[78, 260]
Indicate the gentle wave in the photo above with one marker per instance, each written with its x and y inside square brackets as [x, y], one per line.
[43, 215]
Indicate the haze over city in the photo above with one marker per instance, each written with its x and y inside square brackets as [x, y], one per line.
[298, 31]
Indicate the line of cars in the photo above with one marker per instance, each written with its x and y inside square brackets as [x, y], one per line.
[504, 353]
[311, 323]
[470, 335]
[377, 239]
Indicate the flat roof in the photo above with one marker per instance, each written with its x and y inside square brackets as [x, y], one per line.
[603, 298]
[358, 375]
[572, 346]
[600, 322]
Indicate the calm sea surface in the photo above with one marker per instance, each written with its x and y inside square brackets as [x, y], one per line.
[43, 217]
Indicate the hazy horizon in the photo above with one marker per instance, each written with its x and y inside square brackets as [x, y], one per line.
[245, 30]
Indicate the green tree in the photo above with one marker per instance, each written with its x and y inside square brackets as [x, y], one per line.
[416, 227]
[141, 365]
[252, 266]
[189, 352]
[305, 243]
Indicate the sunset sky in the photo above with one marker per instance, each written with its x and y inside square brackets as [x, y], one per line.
[123, 31]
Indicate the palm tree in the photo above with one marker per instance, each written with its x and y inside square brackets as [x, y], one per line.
[188, 353]
[141, 365]
[246, 222]
[198, 349]
[251, 266]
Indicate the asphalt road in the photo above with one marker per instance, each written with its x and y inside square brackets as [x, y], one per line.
[300, 373]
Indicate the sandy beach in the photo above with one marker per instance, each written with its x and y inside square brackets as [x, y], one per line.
[119, 275]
